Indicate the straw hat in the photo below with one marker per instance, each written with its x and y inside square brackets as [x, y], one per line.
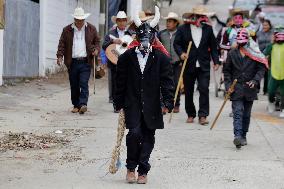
[199, 10]
[235, 11]
[143, 17]
[173, 16]
[80, 14]
[120, 15]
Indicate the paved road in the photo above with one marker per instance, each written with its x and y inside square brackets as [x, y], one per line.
[185, 156]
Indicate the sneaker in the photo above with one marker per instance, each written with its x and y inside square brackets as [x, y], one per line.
[237, 142]
[244, 141]
[281, 115]
[142, 179]
[270, 107]
[130, 176]
[83, 109]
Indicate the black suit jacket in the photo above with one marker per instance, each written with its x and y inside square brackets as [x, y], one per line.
[207, 48]
[243, 69]
[139, 93]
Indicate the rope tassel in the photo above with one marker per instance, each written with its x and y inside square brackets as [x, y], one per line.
[115, 163]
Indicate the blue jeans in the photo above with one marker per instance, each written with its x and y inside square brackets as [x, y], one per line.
[242, 114]
[79, 75]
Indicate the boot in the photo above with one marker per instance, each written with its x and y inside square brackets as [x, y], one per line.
[142, 179]
[203, 121]
[130, 176]
[75, 110]
[83, 109]
[237, 142]
[244, 141]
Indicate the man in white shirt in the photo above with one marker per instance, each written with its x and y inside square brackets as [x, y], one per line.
[78, 44]
[204, 47]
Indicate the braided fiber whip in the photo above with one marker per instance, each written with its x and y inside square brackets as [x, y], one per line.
[113, 168]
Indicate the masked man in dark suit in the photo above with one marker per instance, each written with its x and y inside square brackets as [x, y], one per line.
[143, 73]
[204, 47]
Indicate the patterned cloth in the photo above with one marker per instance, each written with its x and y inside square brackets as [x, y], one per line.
[156, 45]
[252, 50]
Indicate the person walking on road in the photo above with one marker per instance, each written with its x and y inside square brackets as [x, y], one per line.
[197, 68]
[275, 52]
[78, 44]
[167, 37]
[248, 68]
[143, 72]
[264, 38]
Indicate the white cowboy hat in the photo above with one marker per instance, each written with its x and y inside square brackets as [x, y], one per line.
[120, 15]
[173, 16]
[80, 14]
[199, 10]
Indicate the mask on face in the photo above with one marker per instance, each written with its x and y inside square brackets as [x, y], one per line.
[238, 20]
[201, 20]
[145, 32]
[279, 37]
[145, 36]
[189, 20]
[242, 37]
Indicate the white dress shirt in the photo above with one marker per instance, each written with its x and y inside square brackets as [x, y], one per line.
[121, 33]
[142, 60]
[196, 33]
[79, 43]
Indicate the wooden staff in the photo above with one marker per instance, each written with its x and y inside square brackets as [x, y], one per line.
[223, 105]
[94, 74]
[180, 77]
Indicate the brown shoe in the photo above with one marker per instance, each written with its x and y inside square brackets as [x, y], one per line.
[203, 121]
[75, 110]
[83, 109]
[130, 176]
[176, 109]
[164, 110]
[142, 179]
[190, 120]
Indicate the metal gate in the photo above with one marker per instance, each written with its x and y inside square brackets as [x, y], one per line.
[21, 39]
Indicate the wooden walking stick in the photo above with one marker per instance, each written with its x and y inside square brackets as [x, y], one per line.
[94, 74]
[115, 160]
[180, 77]
[223, 105]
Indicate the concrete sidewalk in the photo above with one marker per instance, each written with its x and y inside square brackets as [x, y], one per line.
[185, 155]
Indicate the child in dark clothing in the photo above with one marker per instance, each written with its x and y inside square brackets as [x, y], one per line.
[248, 67]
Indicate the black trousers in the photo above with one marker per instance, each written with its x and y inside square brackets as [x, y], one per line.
[203, 79]
[140, 143]
[79, 75]
[265, 84]
[177, 69]
[113, 80]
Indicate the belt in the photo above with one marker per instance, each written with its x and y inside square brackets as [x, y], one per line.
[80, 59]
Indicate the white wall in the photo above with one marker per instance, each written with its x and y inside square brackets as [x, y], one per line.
[54, 16]
[1, 57]
[133, 6]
